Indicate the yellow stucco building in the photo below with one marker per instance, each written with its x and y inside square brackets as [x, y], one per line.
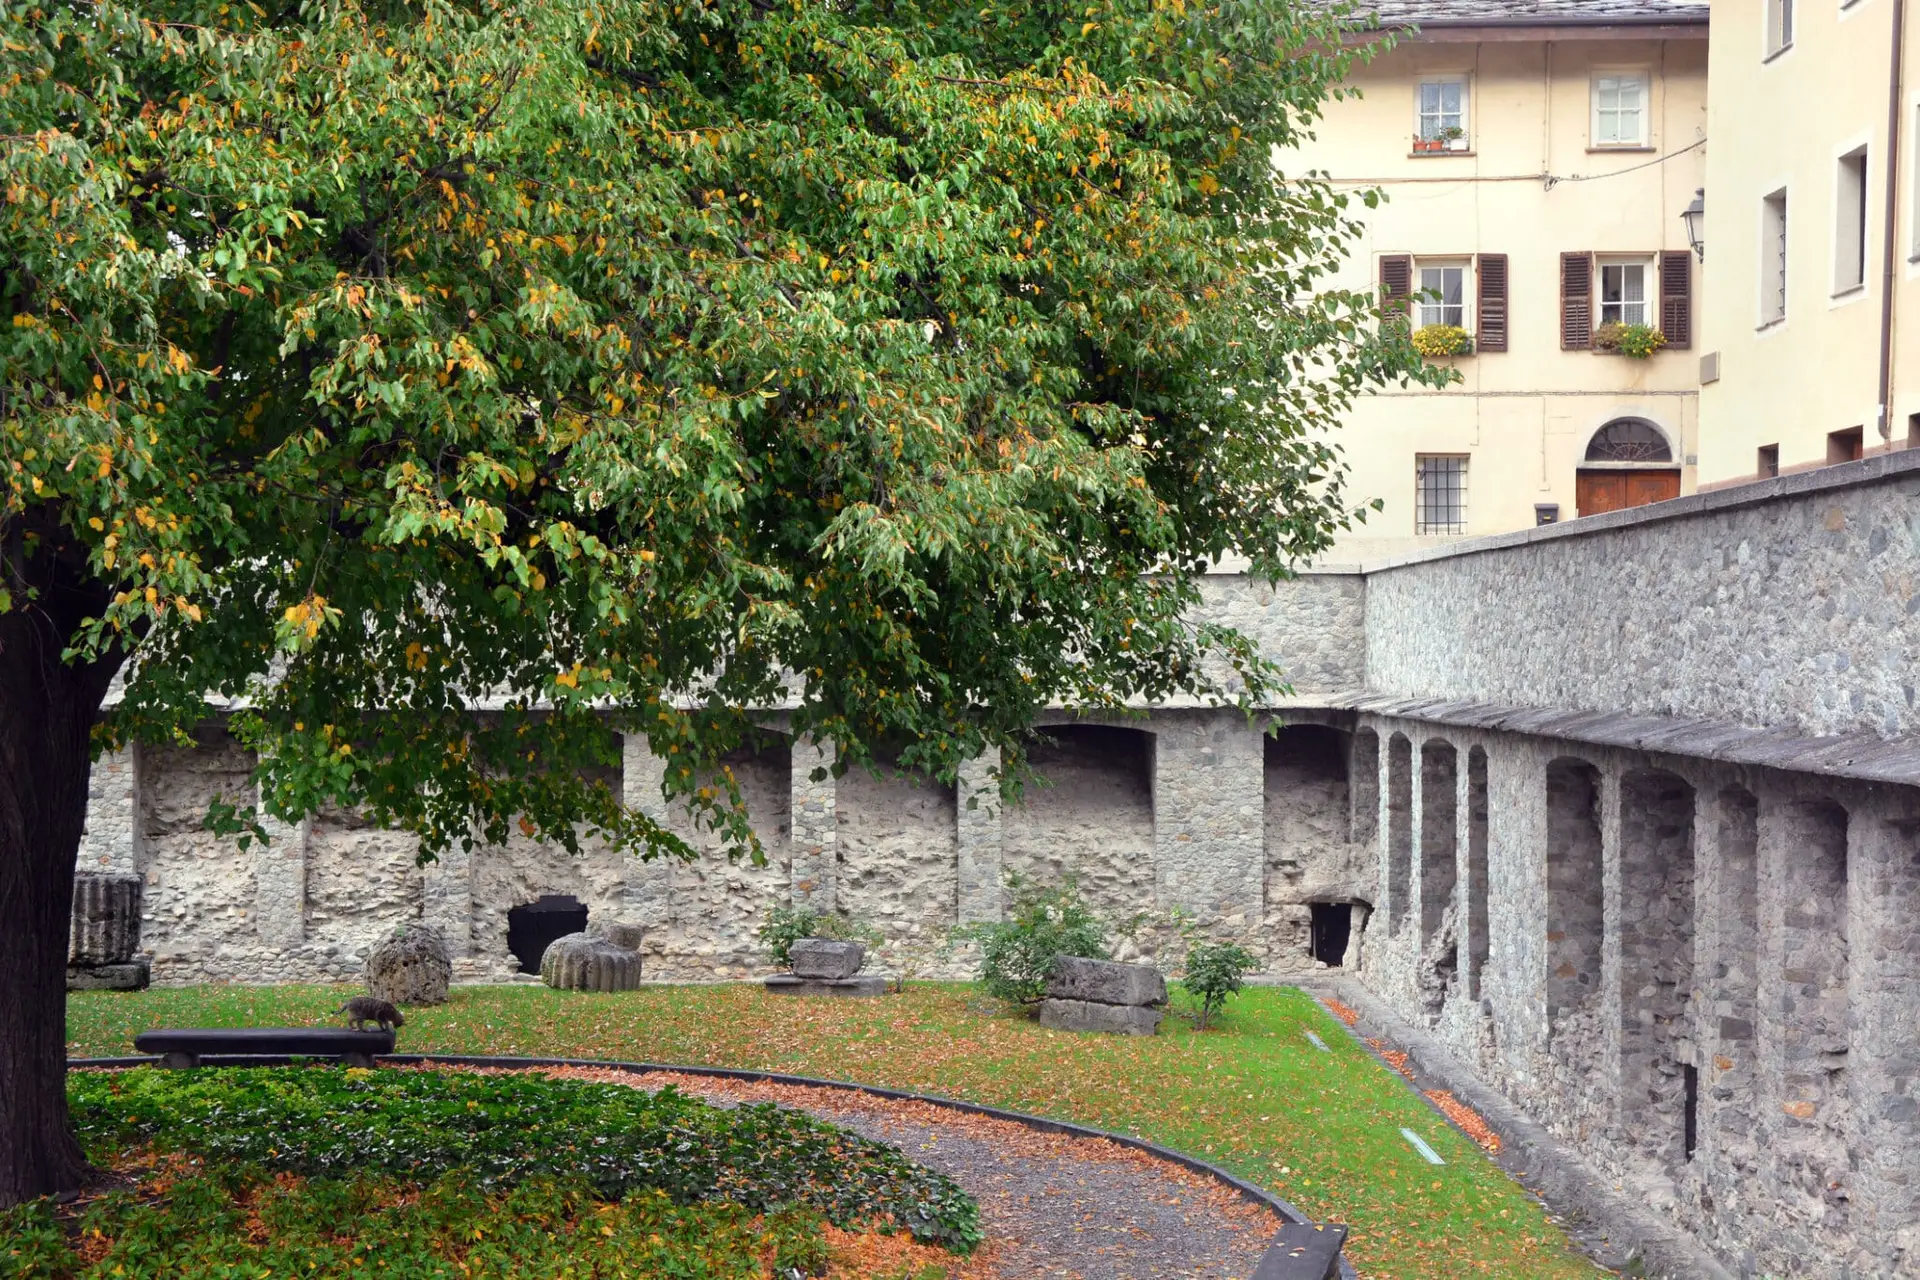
[1810, 329]
[1536, 156]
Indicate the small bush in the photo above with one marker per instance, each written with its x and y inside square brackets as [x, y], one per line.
[1043, 921]
[787, 925]
[1434, 340]
[1214, 971]
[505, 1130]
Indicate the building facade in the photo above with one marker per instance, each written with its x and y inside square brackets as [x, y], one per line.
[1535, 157]
[1811, 318]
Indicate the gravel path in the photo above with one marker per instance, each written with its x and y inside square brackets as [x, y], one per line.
[1053, 1206]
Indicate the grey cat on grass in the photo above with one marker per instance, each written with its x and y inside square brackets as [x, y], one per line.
[364, 1009]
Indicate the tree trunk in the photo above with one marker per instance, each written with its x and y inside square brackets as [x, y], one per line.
[47, 712]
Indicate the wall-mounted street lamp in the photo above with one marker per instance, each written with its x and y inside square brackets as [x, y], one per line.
[1695, 216]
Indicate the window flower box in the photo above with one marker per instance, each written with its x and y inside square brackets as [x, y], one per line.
[1437, 341]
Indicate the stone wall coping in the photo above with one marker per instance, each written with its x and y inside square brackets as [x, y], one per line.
[1846, 755]
[1845, 475]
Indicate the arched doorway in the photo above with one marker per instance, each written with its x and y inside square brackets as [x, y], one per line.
[1629, 463]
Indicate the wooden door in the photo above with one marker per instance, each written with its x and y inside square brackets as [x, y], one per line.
[1600, 491]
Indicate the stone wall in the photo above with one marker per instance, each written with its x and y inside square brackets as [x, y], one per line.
[1790, 604]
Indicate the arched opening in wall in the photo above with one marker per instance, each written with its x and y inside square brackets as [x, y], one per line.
[1092, 819]
[1735, 974]
[533, 925]
[1364, 787]
[1399, 831]
[1477, 936]
[1656, 963]
[1331, 930]
[1576, 924]
[1629, 463]
[1305, 826]
[1439, 837]
[1814, 958]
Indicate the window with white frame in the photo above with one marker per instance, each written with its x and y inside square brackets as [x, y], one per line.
[1443, 288]
[1779, 25]
[1850, 223]
[1625, 286]
[1441, 114]
[1620, 102]
[1440, 493]
[1773, 258]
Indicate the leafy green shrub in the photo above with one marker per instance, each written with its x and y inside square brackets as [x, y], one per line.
[506, 1129]
[1214, 971]
[1042, 921]
[234, 1222]
[1433, 340]
[787, 925]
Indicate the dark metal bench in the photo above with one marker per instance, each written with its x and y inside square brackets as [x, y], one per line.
[1303, 1251]
[185, 1048]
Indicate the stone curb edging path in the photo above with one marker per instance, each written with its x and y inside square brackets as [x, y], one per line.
[1285, 1211]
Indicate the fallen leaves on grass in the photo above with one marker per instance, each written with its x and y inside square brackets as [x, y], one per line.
[1467, 1118]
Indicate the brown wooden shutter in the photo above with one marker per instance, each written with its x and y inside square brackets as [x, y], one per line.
[1576, 300]
[1676, 297]
[1493, 303]
[1396, 283]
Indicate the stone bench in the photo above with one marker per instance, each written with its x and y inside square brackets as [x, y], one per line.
[185, 1048]
[1304, 1251]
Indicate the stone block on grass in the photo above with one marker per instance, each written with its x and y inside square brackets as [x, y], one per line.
[582, 962]
[410, 966]
[825, 958]
[1088, 1015]
[790, 984]
[1105, 982]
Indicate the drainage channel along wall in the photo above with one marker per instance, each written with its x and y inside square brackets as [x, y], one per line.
[1623, 809]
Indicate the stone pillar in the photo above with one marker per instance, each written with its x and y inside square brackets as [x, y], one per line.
[280, 882]
[1884, 1058]
[649, 881]
[1726, 978]
[981, 843]
[815, 823]
[1209, 779]
[446, 892]
[109, 842]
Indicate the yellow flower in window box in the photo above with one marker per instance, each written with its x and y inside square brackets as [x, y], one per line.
[1436, 340]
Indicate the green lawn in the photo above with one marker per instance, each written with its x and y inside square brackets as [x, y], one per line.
[1252, 1095]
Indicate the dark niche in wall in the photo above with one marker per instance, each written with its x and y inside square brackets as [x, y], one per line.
[530, 927]
[1332, 929]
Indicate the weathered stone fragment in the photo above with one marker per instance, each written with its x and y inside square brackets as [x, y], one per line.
[1086, 1015]
[1105, 982]
[106, 919]
[582, 962]
[826, 958]
[787, 984]
[630, 936]
[130, 976]
[410, 966]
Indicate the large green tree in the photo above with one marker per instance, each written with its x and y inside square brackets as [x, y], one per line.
[367, 361]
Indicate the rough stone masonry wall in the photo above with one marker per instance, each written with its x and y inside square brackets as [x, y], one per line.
[1181, 808]
[1789, 604]
[1666, 927]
